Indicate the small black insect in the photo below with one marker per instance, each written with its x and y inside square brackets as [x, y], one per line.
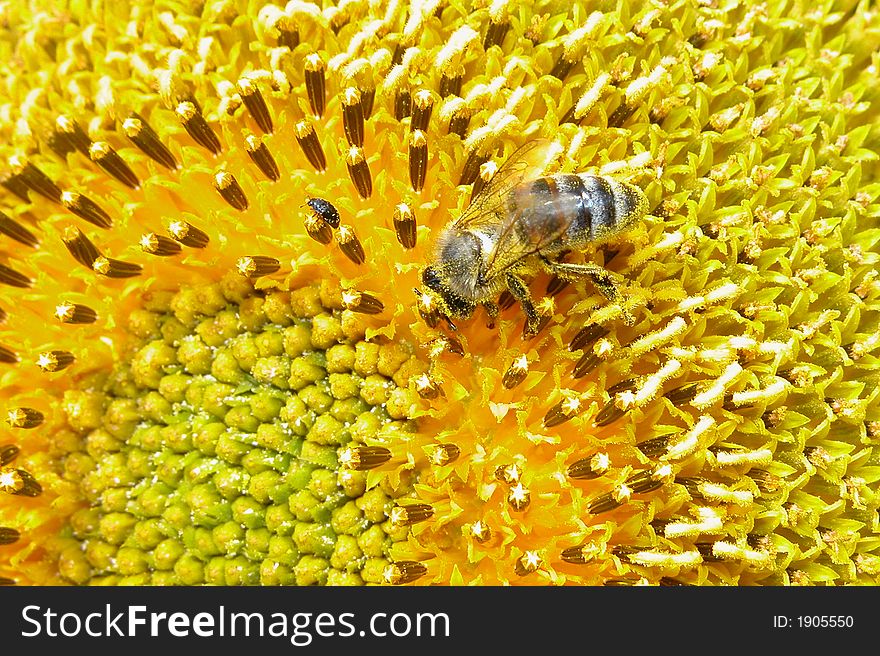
[325, 210]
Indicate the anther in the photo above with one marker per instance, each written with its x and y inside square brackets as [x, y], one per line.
[506, 300]
[14, 183]
[649, 479]
[495, 33]
[318, 229]
[35, 179]
[7, 355]
[423, 105]
[581, 554]
[353, 117]
[509, 474]
[253, 99]
[587, 469]
[109, 160]
[443, 454]
[427, 388]
[361, 458]
[450, 85]
[684, 394]
[74, 313]
[260, 155]
[81, 247]
[359, 172]
[527, 563]
[361, 302]
[116, 268]
[160, 245]
[481, 531]
[655, 447]
[311, 147]
[257, 266]
[8, 453]
[555, 285]
[8, 535]
[610, 500]
[459, 122]
[586, 337]
[350, 244]
[146, 139]
[287, 36]
[86, 209]
[187, 234]
[402, 104]
[19, 482]
[418, 159]
[516, 372]
[24, 418]
[471, 168]
[69, 131]
[404, 571]
[13, 278]
[197, 127]
[228, 187]
[609, 413]
[52, 361]
[314, 74]
[411, 513]
[427, 309]
[519, 497]
[405, 225]
[487, 170]
[16, 231]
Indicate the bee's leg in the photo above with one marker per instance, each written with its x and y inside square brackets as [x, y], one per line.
[520, 292]
[603, 279]
[491, 313]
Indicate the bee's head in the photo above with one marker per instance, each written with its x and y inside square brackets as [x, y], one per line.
[449, 304]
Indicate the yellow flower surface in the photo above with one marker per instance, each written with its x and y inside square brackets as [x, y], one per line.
[218, 364]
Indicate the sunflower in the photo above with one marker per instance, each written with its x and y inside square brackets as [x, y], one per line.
[219, 366]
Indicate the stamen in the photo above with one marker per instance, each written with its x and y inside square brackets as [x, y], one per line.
[187, 234]
[350, 244]
[257, 266]
[160, 245]
[405, 225]
[582, 554]
[19, 482]
[311, 147]
[74, 313]
[8, 453]
[506, 300]
[260, 155]
[423, 105]
[24, 418]
[353, 117]
[496, 32]
[516, 372]
[359, 172]
[586, 337]
[147, 140]
[587, 469]
[86, 209]
[35, 179]
[14, 183]
[443, 454]
[460, 121]
[509, 474]
[655, 447]
[649, 479]
[527, 563]
[609, 413]
[7, 355]
[108, 159]
[361, 458]
[519, 497]
[8, 535]
[52, 361]
[411, 513]
[16, 231]
[487, 170]
[69, 131]
[116, 268]
[450, 84]
[402, 104]
[318, 229]
[361, 302]
[418, 159]
[481, 531]
[471, 169]
[230, 190]
[81, 247]
[427, 310]
[314, 74]
[610, 500]
[197, 127]
[427, 388]
[404, 571]
[253, 99]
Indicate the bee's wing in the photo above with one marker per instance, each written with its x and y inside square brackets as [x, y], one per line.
[527, 161]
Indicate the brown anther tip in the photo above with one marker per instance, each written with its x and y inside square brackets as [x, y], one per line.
[423, 105]
[405, 225]
[315, 83]
[146, 139]
[80, 247]
[256, 266]
[516, 373]
[418, 159]
[229, 189]
[85, 208]
[262, 157]
[359, 171]
[52, 361]
[587, 469]
[160, 245]
[8, 536]
[361, 458]
[444, 454]
[24, 418]
[353, 117]
[7, 355]
[253, 99]
[361, 302]
[197, 127]
[8, 453]
[116, 268]
[411, 513]
[19, 482]
[481, 531]
[16, 231]
[74, 313]
[350, 245]
[519, 497]
[318, 229]
[187, 234]
[308, 142]
[527, 563]
[562, 412]
[403, 572]
[109, 160]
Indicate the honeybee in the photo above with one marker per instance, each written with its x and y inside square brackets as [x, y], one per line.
[522, 222]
